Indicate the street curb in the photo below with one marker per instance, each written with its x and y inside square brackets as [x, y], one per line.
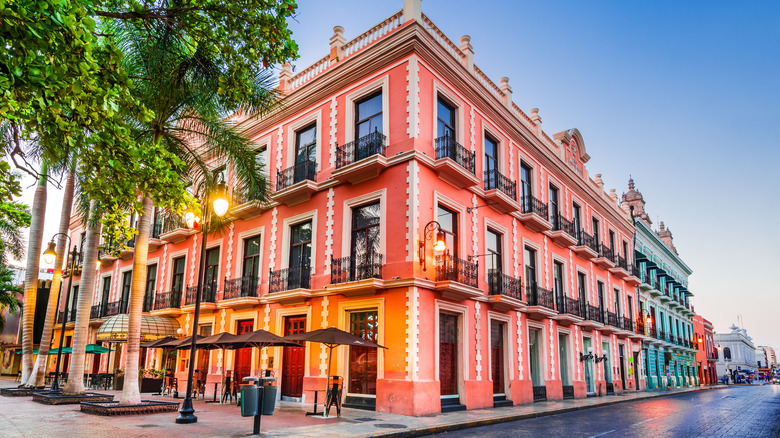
[486, 422]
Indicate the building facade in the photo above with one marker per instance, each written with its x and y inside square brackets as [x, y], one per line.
[392, 141]
[668, 350]
[735, 352]
[705, 350]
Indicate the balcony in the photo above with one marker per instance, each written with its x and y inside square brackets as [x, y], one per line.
[296, 184]
[175, 230]
[628, 327]
[113, 308]
[500, 192]
[105, 256]
[661, 336]
[633, 277]
[569, 311]
[129, 249]
[167, 303]
[650, 334]
[240, 292]
[586, 246]
[594, 318]
[611, 324]
[357, 275]
[506, 292]
[454, 163]
[245, 209]
[361, 159]
[540, 302]
[605, 258]
[563, 232]
[655, 287]
[456, 278]
[95, 312]
[534, 214]
[154, 236]
[620, 271]
[208, 298]
[289, 285]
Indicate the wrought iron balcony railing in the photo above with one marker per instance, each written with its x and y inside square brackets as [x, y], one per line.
[60, 317]
[640, 327]
[113, 308]
[495, 180]
[595, 314]
[156, 230]
[620, 261]
[661, 335]
[355, 268]
[208, 295]
[447, 147]
[628, 324]
[502, 284]
[306, 170]
[364, 147]
[532, 205]
[587, 240]
[560, 223]
[297, 277]
[240, 287]
[611, 319]
[95, 312]
[569, 305]
[539, 296]
[606, 252]
[449, 268]
[167, 300]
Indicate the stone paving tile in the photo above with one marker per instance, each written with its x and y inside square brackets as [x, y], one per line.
[21, 417]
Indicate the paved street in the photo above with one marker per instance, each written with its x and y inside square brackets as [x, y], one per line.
[734, 412]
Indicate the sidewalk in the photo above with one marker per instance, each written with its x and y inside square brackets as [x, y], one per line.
[21, 417]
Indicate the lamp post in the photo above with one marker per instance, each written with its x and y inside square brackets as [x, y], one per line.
[49, 256]
[220, 206]
[648, 317]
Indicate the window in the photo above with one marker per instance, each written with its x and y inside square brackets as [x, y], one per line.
[600, 292]
[576, 219]
[300, 256]
[251, 262]
[127, 282]
[625, 251]
[106, 293]
[448, 220]
[493, 260]
[529, 254]
[212, 275]
[560, 293]
[177, 282]
[726, 353]
[581, 282]
[526, 187]
[563, 358]
[596, 234]
[491, 163]
[151, 282]
[533, 357]
[630, 308]
[617, 302]
[554, 207]
[305, 153]
[445, 119]
[365, 240]
[368, 115]
[611, 240]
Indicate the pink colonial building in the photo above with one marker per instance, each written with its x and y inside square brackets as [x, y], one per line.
[387, 145]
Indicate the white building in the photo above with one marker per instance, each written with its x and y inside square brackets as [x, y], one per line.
[769, 354]
[735, 351]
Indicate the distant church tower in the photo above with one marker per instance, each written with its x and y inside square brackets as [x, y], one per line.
[634, 199]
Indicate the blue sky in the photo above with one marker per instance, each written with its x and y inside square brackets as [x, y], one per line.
[680, 95]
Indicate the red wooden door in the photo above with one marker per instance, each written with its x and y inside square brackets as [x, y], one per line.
[497, 356]
[448, 354]
[293, 359]
[243, 358]
[363, 360]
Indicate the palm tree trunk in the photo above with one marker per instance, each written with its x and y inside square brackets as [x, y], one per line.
[31, 276]
[130, 391]
[38, 375]
[75, 385]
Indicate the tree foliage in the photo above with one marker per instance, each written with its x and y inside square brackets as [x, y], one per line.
[14, 216]
[9, 294]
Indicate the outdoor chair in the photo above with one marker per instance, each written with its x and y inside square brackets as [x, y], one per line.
[171, 385]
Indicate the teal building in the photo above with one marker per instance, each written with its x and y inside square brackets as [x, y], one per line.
[665, 312]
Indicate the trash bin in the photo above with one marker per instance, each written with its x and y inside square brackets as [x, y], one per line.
[249, 398]
[269, 394]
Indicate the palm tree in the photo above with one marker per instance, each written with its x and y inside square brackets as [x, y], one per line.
[75, 386]
[37, 377]
[179, 83]
[31, 276]
[9, 293]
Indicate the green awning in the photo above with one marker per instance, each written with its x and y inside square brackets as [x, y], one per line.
[35, 351]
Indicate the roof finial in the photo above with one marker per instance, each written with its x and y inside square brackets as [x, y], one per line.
[630, 182]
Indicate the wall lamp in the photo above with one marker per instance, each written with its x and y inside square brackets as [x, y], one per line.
[432, 229]
[589, 356]
[470, 209]
[601, 359]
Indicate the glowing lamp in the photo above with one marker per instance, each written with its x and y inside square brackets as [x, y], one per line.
[220, 202]
[191, 220]
[440, 244]
[97, 264]
[50, 254]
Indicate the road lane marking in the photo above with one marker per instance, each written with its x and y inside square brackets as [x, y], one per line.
[645, 421]
[602, 434]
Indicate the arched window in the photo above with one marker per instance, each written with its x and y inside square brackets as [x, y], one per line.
[727, 353]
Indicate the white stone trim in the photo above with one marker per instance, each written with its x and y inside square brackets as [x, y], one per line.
[287, 224]
[346, 215]
[439, 89]
[257, 231]
[412, 98]
[364, 90]
[463, 340]
[345, 307]
[314, 117]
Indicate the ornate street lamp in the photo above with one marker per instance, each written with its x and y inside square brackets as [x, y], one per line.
[428, 234]
[589, 356]
[49, 256]
[220, 206]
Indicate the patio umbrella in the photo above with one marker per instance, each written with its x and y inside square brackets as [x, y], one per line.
[261, 339]
[220, 340]
[166, 344]
[332, 337]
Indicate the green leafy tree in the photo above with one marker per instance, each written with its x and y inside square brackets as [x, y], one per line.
[9, 295]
